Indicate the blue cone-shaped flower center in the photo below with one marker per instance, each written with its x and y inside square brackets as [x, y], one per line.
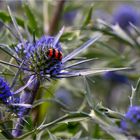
[36, 56]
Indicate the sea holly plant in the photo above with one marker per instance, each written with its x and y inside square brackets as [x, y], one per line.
[39, 60]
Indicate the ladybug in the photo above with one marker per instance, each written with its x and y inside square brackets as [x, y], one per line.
[54, 53]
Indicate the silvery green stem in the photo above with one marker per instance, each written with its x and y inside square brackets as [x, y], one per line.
[28, 97]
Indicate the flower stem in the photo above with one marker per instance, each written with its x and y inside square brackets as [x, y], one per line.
[27, 97]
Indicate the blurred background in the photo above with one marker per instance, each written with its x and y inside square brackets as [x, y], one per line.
[119, 47]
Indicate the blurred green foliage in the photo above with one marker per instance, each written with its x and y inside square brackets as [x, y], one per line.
[98, 104]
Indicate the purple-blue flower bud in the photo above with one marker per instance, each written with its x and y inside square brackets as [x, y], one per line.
[124, 15]
[5, 92]
[131, 121]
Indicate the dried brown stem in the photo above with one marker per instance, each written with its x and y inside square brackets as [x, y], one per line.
[56, 17]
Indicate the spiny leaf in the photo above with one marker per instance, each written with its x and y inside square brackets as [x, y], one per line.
[135, 28]
[41, 101]
[86, 72]
[31, 18]
[16, 25]
[30, 81]
[88, 17]
[107, 124]
[9, 64]
[80, 49]
[110, 48]
[52, 137]
[88, 95]
[6, 18]
[8, 51]
[135, 97]
[108, 112]
[77, 136]
[100, 118]
[80, 62]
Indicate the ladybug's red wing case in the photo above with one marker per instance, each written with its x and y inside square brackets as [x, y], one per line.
[54, 53]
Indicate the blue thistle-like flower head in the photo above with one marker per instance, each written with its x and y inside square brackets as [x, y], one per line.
[124, 15]
[5, 92]
[43, 58]
[7, 97]
[36, 57]
[116, 77]
[131, 121]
